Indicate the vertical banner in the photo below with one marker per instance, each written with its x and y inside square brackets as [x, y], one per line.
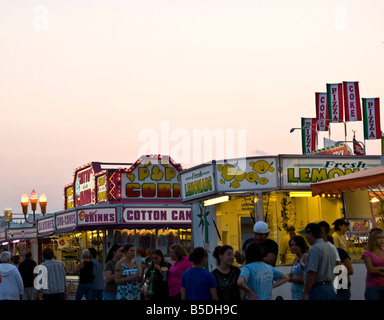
[371, 113]
[335, 102]
[352, 105]
[308, 135]
[321, 111]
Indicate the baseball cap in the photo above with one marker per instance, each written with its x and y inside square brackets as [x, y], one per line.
[260, 227]
[314, 228]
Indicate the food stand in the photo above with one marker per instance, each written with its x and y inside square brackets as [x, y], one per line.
[18, 238]
[274, 189]
[363, 197]
[108, 204]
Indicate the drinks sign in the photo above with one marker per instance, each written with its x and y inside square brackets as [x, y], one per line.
[97, 216]
[359, 226]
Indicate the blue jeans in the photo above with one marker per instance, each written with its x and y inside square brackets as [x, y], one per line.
[322, 292]
[97, 294]
[109, 295]
[84, 289]
[374, 293]
[344, 294]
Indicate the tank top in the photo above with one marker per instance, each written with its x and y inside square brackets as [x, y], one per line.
[86, 272]
[297, 288]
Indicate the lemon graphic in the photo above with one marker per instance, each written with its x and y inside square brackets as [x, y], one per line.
[260, 166]
[235, 184]
[240, 175]
[271, 169]
[228, 172]
[263, 180]
[251, 176]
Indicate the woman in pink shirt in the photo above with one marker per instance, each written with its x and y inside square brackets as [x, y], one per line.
[374, 261]
[175, 272]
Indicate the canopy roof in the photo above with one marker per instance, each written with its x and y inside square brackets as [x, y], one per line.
[371, 178]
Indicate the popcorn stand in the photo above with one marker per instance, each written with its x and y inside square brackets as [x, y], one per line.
[108, 204]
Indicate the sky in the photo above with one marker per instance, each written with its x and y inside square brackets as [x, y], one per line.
[107, 81]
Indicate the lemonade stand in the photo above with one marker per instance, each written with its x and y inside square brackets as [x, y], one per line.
[363, 197]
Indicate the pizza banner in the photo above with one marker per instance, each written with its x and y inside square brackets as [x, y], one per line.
[371, 113]
[335, 102]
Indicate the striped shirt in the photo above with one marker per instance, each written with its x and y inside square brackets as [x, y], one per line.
[57, 282]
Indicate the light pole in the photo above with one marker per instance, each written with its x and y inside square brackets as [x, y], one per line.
[305, 128]
[33, 199]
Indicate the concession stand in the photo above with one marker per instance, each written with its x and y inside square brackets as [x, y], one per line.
[363, 196]
[228, 196]
[109, 204]
[18, 238]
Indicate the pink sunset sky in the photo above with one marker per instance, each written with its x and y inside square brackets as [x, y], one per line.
[104, 81]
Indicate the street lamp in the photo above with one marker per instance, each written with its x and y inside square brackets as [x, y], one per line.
[305, 128]
[33, 199]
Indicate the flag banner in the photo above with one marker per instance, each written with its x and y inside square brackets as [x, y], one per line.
[335, 102]
[371, 114]
[308, 135]
[358, 149]
[352, 107]
[321, 111]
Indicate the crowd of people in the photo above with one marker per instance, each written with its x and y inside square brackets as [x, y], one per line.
[124, 278]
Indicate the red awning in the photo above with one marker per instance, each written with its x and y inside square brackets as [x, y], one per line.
[369, 178]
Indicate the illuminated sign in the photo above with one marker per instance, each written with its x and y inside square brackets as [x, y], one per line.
[151, 178]
[102, 188]
[97, 216]
[157, 215]
[198, 183]
[246, 174]
[84, 186]
[69, 199]
[66, 220]
[299, 172]
[22, 233]
[45, 225]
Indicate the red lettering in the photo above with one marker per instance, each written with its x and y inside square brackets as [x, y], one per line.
[131, 190]
[164, 190]
[148, 190]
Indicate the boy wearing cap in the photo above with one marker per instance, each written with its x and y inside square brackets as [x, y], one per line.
[260, 236]
[319, 268]
[341, 227]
